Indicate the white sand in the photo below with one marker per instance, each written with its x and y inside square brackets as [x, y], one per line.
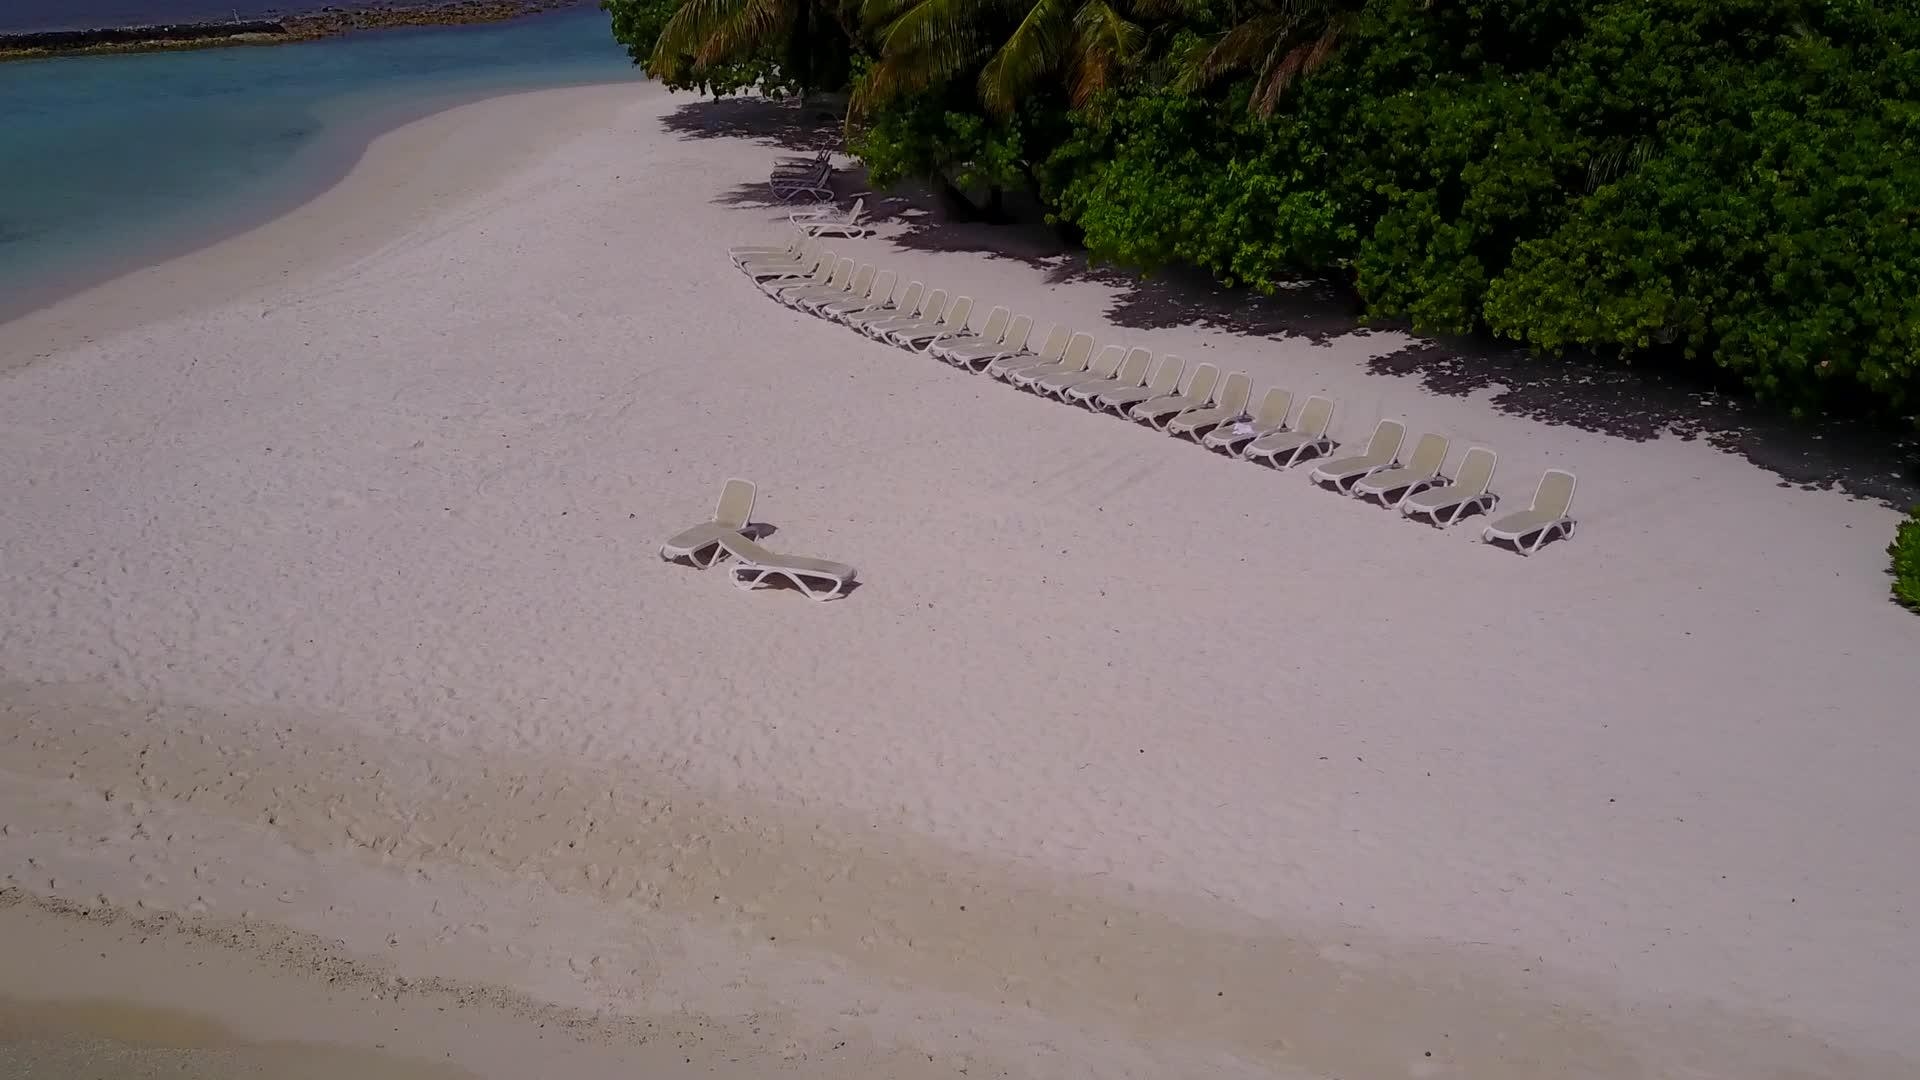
[332, 603]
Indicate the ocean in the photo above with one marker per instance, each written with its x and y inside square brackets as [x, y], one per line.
[17, 16]
[111, 162]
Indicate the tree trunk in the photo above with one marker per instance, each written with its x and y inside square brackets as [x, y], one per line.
[806, 50]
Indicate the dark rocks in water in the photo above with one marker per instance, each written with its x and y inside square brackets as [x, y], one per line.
[326, 22]
[74, 40]
[341, 20]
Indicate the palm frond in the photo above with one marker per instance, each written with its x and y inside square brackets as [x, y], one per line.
[759, 23]
[714, 31]
[1104, 43]
[1284, 41]
[1239, 47]
[1035, 47]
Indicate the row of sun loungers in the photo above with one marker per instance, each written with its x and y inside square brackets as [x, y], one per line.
[726, 536]
[1195, 404]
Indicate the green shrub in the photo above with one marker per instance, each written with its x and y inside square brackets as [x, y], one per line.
[1905, 550]
[1724, 183]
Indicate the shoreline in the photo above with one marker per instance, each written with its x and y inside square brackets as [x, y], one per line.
[315, 26]
[175, 278]
[339, 614]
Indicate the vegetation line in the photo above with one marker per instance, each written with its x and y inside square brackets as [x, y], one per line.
[280, 31]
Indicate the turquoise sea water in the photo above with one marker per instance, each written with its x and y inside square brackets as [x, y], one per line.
[109, 162]
[28, 15]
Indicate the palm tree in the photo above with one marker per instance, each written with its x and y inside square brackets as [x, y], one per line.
[1013, 44]
[787, 33]
[1280, 42]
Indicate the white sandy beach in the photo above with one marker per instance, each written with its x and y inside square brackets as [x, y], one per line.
[334, 625]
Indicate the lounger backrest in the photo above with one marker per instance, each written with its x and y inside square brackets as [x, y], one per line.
[1387, 437]
[1428, 454]
[1056, 344]
[882, 288]
[957, 315]
[1107, 361]
[862, 280]
[1476, 471]
[1166, 376]
[842, 274]
[996, 327]
[1274, 408]
[1316, 416]
[1134, 367]
[1017, 333]
[859, 206]
[1200, 383]
[736, 504]
[909, 299]
[823, 269]
[1079, 351]
[933, 304]
[1555, 493]
[1234, 393]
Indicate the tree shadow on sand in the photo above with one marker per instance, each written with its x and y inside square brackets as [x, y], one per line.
[1168, 299]
[783, 124]
[1868, 462]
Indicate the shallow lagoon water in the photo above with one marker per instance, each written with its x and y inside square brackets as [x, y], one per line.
[110, 162]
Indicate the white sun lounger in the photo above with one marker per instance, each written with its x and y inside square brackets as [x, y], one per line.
[834, 288]
[904, 302]
[951, 324]
[759, 265]
[875, 294]
[1229, 404]
[976, 357]
[1103, 366]
[755, 566]
[1269, 418]
[990, 334]
[1078, 355]
[1158, 412]
[838, 287]
[861, 291]
[1309, 436]
[802, 162]
[1049, 352]
[832, 222]
[794, 249]
[1382, 452]
[1442, 506]
[772, 277]
[1133, 372]
[1545, 520]
[701, 544]
[814, 182]
[1391, 487]
[1165, 380]
[933, 304]
[1100, 371]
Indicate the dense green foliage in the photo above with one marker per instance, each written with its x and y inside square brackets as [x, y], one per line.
[1905, 550]
[1726, 184]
